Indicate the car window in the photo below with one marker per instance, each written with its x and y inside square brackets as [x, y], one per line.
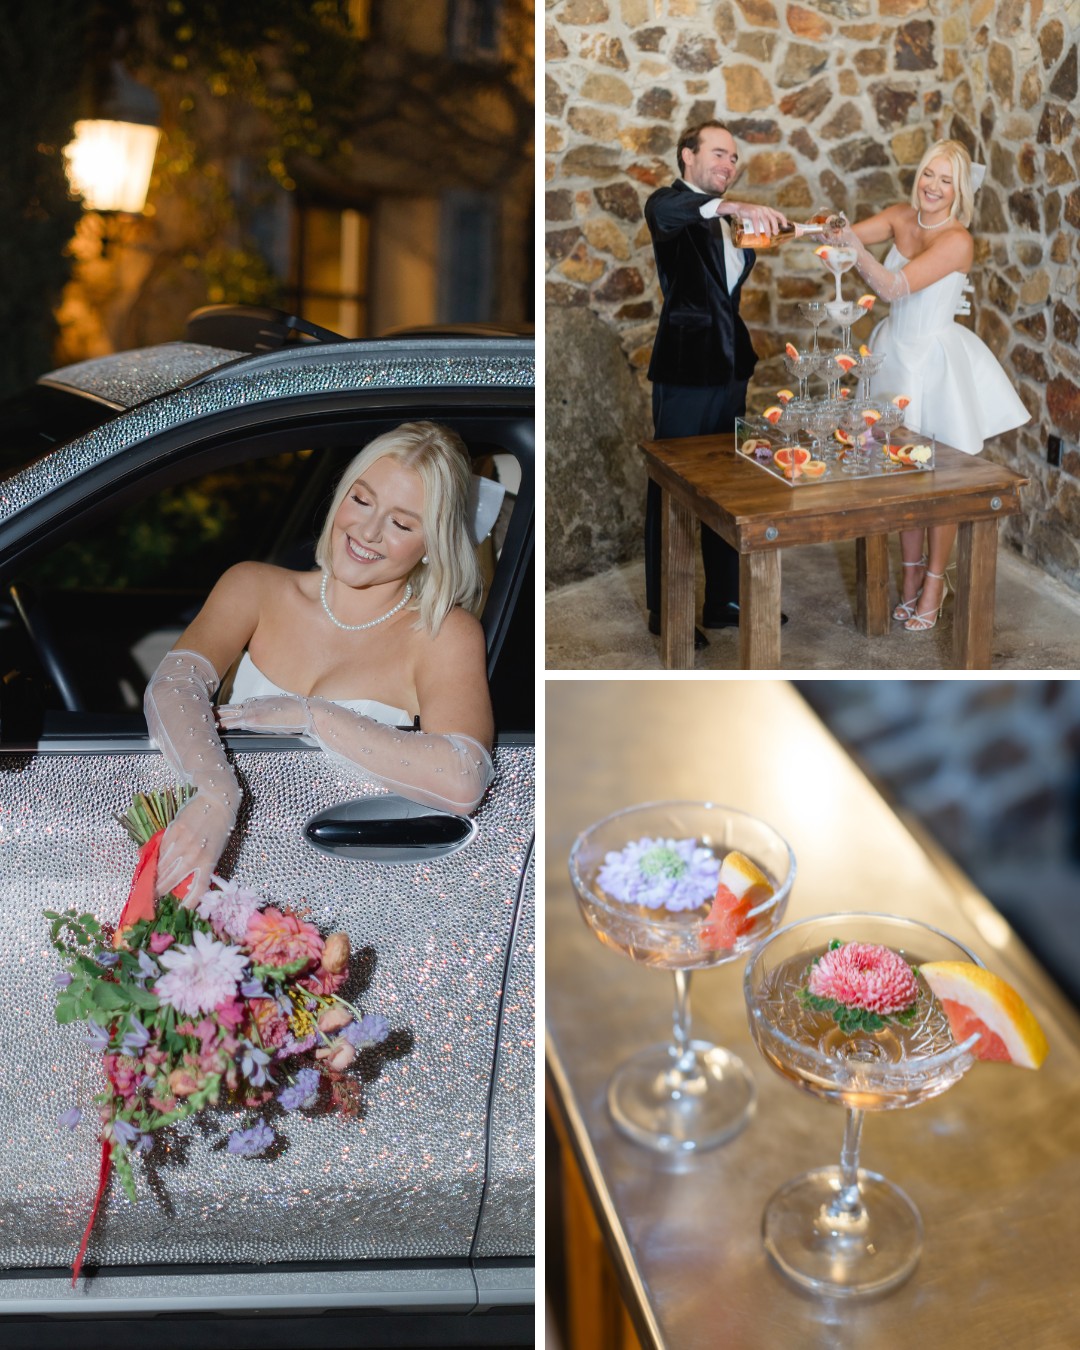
[87, 620]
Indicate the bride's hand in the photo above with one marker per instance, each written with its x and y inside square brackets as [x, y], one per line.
[286, 714]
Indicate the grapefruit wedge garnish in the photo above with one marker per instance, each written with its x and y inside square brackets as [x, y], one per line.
[977, 1000]
[784, 395]
[845, 362]
[866, 302]
[901, 401]
[773, 414]
[864, 350]
[741, 886]
[791, 350]
[824, 252]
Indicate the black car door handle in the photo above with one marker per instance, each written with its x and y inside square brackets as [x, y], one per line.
[387, 829]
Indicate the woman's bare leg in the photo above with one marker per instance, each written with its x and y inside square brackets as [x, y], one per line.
[942, 538]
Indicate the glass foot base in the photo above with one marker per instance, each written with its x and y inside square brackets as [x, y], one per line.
[678, 1106]
[845, 1253]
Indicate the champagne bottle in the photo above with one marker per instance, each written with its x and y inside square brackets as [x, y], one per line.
[743, 234]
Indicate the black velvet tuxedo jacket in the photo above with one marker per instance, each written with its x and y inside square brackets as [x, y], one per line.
[701, 340]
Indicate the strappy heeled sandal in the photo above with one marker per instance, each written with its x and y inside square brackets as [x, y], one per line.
[905, 610]
[922, 623]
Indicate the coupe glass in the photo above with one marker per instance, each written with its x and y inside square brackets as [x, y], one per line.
[839, 260]
[843, 312]
[813, 311]
[842, 1230]
[869, 365]
[801, 367]
[686, 1094]
[891, 418]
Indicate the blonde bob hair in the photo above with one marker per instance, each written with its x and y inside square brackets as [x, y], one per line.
[451, 576]
[963, 207]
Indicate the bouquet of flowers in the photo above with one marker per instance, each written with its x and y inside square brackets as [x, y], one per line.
[234, 1001]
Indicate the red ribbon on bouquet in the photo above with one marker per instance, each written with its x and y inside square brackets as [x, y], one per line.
[140, 904]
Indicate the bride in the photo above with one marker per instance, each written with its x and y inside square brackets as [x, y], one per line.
[958, 392]
[379, 637]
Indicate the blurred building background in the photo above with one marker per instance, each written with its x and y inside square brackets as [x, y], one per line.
[992, 770]
[362, 163]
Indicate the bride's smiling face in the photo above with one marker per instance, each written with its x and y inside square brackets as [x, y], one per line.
[378, 533]
[937, 191]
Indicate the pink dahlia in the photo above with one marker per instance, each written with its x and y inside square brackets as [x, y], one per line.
[201, 974]
[865, 975]
[277, 939]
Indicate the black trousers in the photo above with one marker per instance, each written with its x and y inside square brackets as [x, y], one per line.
[691, 410]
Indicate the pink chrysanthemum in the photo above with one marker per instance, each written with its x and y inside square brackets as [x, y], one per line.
[200, 975]
[865, 975]
[277, 939]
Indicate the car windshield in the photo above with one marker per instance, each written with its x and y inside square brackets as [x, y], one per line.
[39, 419]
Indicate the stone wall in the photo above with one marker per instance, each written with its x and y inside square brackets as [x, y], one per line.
[992, 770]
[833, 103]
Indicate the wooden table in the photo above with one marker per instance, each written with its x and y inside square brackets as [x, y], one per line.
[701, 478]
[993, 1164]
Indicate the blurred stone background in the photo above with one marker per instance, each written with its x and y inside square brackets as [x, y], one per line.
[833, 103]
[992, 770]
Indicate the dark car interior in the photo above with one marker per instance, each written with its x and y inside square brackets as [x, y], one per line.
[104, 587]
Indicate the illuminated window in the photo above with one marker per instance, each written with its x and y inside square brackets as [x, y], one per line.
[331, 266]
[473, 28]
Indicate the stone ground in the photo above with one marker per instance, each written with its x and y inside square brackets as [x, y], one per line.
[599, 623]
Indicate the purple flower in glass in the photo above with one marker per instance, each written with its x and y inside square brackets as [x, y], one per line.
[673, 874]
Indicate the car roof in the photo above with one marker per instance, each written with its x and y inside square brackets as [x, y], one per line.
[123, 380]
[154, 389]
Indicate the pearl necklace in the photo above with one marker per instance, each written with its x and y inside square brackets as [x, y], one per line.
[918, 217]
[359, 627]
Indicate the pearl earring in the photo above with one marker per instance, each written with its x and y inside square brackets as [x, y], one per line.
[424, 560]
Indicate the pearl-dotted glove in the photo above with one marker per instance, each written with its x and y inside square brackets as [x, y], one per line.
[180, 718]
[449, 772]
[884, 283]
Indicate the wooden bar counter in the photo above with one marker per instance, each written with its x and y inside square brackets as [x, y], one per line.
[993, 1164]
[702, 479]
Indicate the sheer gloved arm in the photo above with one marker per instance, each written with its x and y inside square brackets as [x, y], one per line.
[884, 283]
[449, 772]
[180, 718]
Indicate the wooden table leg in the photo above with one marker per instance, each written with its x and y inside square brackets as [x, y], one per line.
[759, 610]
[973, 609]
[676, 583]
[872, 585]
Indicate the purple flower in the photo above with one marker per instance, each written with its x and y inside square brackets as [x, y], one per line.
[253, 1063]
[370, 1030]
[98, 1038]
[250, 1143]
[106, 958]
[253, 989]
[144, 1143]
[71, 1118]
[229, 907]
[136, 1039]
[291, 1046]
[148, 970]
[124, 1131]
[672, 874]
[61, 979]
[302, 1093]
[201, 975]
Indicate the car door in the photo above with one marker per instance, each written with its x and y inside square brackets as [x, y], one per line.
[439, 1167]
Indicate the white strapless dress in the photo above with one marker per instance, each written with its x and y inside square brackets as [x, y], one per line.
[959, 393]
[250, 682]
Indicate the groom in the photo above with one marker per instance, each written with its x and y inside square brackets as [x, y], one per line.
[702, 359]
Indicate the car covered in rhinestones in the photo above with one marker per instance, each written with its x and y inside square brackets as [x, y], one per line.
[127, 485]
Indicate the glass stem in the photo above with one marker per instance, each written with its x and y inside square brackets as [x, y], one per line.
[680, 1023]
[849, 1202]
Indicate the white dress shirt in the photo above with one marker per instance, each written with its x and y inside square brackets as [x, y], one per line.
[734, 258]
